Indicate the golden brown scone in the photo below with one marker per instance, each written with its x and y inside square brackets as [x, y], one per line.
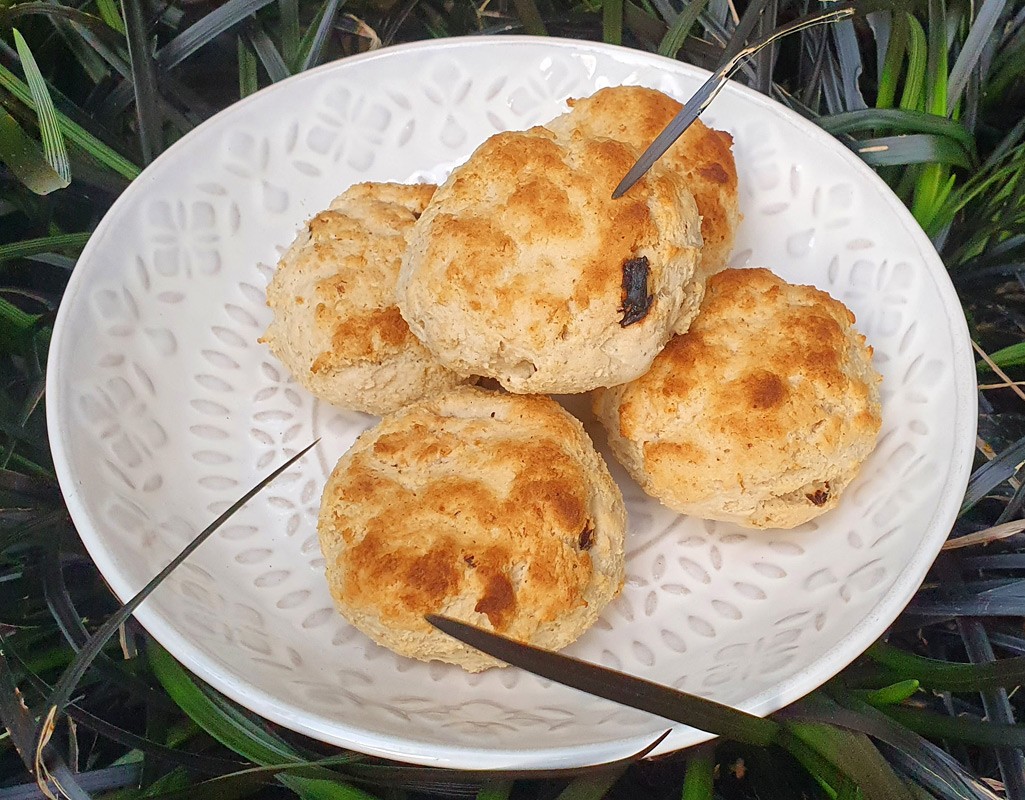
[336, 327]
[488, 507]
[516, 269]
[761, 414]
[636, 115]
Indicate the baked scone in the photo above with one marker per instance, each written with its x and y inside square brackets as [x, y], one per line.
[488, 507]
[761, 414]
[336, 327]
[524, 269]
[636, 115]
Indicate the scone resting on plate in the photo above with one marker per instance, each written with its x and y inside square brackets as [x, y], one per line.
[492, 508]
[336, 327]
[524, 269]
[704, 156]
[761, 414]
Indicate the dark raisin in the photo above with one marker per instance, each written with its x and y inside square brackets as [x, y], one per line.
[470, 561]
[819, 496]
[636, 300]
[586, 540]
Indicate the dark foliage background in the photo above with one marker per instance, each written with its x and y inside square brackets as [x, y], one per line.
[931, 93]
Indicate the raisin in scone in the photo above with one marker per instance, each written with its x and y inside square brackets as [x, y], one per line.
[703, 155]
[524, 269]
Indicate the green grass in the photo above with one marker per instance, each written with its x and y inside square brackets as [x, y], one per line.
[931, 93]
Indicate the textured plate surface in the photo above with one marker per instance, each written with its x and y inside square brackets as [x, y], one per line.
[163, 409]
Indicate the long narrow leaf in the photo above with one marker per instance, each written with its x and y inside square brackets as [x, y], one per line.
[621, 688]
[44, 244]
[913, 96]
[320, 789]
[682, 25]
[765, 59]
[993, 473]
[94, 781]
[998, 709]
[144, 80]
[848, 56]
[247, 77]
[924, 761]
[496, 791]
[72, 130]
[914, 148]
[898, 120]
[25, 159]
[312, 47]
[612, 21]
[66, 685]
[109, 11]
[589, 787]
[230, 728]
[288, 31]
[742, 32]
[893, 63]
[949, 676]
[207, 29]
[971, 51]
[273, 63]
[936, 59]
[697, 782]
[533, 22]
[854, 755]
[53, 143]
[881, 24]
[959, 729]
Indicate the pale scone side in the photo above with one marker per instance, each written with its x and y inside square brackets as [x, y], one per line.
[336, 327]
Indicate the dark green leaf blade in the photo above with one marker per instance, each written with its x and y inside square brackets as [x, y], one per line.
[628, 690]
[925, 762]
[44, 244]
[993, 473]
[69, 679]
[971, 51]
[75, 133]
[144, 80]
[54, 151]
[277, 69]
[312, 47]
[682, 25]
[205, 30]
[913, 148]
[897, 120]
[25, 159]
[533, 23]
[854, 755]
[612, 21]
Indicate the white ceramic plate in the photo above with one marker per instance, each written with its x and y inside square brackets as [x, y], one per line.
[163, 409]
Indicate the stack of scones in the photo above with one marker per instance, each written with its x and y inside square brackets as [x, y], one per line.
[727, 394]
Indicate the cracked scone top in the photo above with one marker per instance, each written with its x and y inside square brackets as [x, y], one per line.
[488, 507]
[703, 155]
[336, 327]
[516, 270]
[761, 414]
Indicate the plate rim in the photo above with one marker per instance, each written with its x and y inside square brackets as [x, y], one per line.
[344, 734]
